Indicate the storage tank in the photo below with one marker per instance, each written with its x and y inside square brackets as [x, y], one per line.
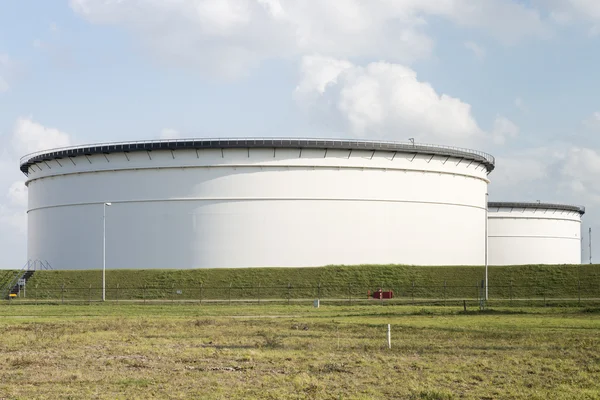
[534, 233]
[211, 203]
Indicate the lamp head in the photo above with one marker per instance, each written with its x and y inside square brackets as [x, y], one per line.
[108, 204]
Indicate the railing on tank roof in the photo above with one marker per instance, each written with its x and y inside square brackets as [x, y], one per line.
[172, 144]
[534, 205]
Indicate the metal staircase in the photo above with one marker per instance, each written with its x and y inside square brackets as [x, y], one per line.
[17, 281]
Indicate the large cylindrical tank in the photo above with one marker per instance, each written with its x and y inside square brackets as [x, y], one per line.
[534, 233]
[256, 203]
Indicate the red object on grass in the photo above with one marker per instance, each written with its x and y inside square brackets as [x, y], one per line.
[380, 294]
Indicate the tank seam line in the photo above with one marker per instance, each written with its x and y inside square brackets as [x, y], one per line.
[254, 199]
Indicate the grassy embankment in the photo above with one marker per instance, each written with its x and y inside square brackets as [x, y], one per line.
[532, 281]
[297, 352]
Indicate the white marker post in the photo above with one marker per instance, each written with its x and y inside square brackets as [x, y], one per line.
[389, 336]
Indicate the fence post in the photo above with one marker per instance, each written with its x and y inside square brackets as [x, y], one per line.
[36, 294]
[319, 291]
[62, 294]
[117, 293]
[230, 293]
[289, 288]
[144, 293]
[412, 293]
[544, 292]
[579, 292]
[172, 292]
[258, 292]
[201, 291]
[444, 293]
[350, 293]
[510, 293]
[90, 295]
[545, 305]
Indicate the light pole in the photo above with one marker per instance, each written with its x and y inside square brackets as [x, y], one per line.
[486, 246]
[104, 205]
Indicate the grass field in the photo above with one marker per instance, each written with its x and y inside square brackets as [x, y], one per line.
[297, 352]
[531, 281]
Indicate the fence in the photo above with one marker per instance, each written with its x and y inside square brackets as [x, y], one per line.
[351, 294]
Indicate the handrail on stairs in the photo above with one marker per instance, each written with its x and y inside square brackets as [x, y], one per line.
[30, 265]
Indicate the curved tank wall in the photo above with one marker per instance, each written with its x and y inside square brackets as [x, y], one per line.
[258, 206]
[532, 233]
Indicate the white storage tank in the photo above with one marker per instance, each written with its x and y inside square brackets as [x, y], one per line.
[534, 233]
[211, 203]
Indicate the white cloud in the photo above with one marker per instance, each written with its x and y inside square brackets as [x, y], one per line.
[17, 194]
[14, 225]
[513, 171]
[383, 100]
[567, 11]
[503, 129]
[27, 136]
[582, 159]
[318, 72]
[477, 50]
[230, 36]
[9, 172]
[581, 171]
[13, 218]
[169, 133]
[585, 13]
[558, 172]
[30, 136]
[593, 121]
[531, 174]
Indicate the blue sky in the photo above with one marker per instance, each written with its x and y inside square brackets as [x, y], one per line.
[517, 79]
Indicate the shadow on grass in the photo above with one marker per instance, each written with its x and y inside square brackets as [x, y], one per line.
[432, 312]
[491, 311]
[591, 310]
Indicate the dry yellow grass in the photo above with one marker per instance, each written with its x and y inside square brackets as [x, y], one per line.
[291, 352]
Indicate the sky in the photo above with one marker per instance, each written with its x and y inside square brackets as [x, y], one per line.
[515, 78]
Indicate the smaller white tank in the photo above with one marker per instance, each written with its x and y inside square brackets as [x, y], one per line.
[534, 233]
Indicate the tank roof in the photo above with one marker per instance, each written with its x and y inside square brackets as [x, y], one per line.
[181, 144]
[537, 206]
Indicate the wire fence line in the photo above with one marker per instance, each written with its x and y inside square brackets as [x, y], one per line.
[350, 293]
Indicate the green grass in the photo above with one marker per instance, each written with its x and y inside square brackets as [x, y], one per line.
[531, 281]
[297, 352]
[6, 277]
